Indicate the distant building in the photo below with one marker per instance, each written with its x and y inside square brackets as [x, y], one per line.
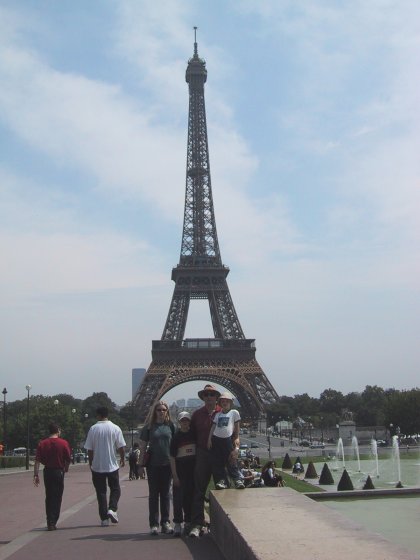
[180, 403]
[194, 403]
[137, 376]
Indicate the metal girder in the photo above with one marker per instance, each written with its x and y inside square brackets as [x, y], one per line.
[242, 376]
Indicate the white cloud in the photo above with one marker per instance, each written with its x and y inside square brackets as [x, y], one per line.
[39, 265]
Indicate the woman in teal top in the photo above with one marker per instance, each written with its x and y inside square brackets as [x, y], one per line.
[157, 434]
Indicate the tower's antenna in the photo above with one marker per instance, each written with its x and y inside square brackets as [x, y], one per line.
[195, 42]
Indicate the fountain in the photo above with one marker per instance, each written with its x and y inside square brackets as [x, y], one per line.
[396, 459]
[374, 448]
[355, 449]
[340, 452]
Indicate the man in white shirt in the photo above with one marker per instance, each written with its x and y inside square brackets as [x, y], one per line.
[104, 439]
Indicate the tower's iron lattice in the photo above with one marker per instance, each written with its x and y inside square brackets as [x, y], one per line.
[229, 357]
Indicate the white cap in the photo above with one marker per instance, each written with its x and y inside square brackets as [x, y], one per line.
[183, 415]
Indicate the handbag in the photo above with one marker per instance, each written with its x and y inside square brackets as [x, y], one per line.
[146, 457]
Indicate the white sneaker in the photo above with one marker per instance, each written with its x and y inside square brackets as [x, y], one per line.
[177, 530]
[221, 485]
[113, 516]
[105, 523]
[239, 485]
[195, 532]
[154, 530]
[167, 528]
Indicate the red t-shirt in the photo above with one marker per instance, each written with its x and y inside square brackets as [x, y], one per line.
[201, 422]
[53, 453]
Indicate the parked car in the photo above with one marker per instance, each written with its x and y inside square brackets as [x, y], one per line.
[254, 445]
[381, 443]
[19, 451]
[80, 457]
[317, 446]
[304, 443]
[243, 446]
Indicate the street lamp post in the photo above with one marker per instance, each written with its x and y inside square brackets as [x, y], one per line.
[132, 424]
[4, 421]
[86, 416]
[28, 388]
[56, 402]
[73, 413]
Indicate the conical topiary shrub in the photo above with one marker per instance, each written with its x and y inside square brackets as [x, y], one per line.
[345, 482]
[311, 471]
[287, 463]
[326, 476]
[298, 460]
[368, 484]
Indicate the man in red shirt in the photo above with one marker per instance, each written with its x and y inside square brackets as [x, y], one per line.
[201, 422]
[54, 453]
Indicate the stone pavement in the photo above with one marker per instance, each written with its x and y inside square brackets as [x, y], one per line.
[22, 523]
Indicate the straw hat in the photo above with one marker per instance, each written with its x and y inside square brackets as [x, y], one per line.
[208, 387]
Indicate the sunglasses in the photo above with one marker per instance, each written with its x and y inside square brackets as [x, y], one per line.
[209, 394]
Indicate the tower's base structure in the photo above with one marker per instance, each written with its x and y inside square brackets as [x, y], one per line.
[228, 359]
[230, 363]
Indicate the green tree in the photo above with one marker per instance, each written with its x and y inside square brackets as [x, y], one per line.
[305, 405]
[129, 413]
[332, 402]
[402, 410]
[101, 399]
[372, 409]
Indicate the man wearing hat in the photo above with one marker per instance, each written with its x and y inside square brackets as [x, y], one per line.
[182, 459]
[201, 423]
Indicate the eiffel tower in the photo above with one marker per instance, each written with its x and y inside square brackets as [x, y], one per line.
[229, 358]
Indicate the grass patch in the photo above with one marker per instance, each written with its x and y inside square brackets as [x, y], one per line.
[298, 485]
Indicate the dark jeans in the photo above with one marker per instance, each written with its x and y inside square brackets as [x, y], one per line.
[183, 494]
[54, 487]
[159, 480]
[99, 481]
[220, 451]
[202, 475]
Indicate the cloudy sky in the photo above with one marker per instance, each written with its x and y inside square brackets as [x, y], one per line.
[314, 137]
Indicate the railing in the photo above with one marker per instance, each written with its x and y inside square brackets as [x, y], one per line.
[203, 344]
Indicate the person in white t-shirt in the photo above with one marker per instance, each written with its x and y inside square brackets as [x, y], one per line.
[103, 441]
[223, 440]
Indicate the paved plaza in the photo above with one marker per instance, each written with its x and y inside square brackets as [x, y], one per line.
[22, 523]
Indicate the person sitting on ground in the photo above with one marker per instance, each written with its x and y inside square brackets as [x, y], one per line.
[298, 468]
[269, 476]
[247, 476]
